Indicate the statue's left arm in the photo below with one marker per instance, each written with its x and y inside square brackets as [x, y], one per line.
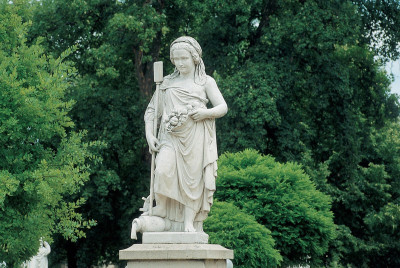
[217, 100]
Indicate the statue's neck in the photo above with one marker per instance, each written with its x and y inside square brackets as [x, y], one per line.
[186, 76]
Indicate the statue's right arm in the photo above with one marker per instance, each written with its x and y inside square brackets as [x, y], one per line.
[152, 141]
[149, 121]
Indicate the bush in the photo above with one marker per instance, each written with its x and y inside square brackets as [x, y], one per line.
[283, 199]
[228, 226]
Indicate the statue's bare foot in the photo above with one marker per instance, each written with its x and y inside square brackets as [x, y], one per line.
[189, 227]
[159, 211]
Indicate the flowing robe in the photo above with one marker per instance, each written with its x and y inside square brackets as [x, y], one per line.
[186, 165]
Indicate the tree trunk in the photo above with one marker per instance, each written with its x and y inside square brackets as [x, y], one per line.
[144, 71]
[71, 254]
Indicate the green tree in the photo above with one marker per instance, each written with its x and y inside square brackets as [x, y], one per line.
[379, 20]
[283, 199]
[42, 160]
[236, 230]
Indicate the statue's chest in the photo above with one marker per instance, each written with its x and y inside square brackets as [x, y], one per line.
[197, 90]
[191, 88]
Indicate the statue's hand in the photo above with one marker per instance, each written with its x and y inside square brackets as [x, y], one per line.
[199, 114]
[153, 143]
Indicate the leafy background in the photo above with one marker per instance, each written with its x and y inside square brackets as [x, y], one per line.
[307, 92]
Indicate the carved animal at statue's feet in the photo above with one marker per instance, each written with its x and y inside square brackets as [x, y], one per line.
[149, 224]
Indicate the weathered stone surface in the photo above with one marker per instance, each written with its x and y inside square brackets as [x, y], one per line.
[178, 264]
[174, 238]
[175, 252]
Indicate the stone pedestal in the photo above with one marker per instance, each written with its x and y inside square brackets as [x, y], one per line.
[176, 255]
[174, 238]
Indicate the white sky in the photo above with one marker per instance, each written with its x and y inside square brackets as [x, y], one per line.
[393, 68]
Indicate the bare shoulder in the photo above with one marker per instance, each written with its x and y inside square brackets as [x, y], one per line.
[168, 80]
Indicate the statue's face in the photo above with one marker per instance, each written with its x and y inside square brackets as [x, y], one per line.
[183, 61]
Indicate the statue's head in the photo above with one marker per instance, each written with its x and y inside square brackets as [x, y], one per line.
[192, 46]
[189, 44]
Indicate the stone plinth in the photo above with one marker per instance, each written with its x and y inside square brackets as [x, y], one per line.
[176, 255]
[174, 238]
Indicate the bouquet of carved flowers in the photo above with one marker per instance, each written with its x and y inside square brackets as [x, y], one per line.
[177, 117]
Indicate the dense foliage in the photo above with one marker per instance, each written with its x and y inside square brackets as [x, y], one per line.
[252, 242]
[110, 107]
[283, 199]
[327, 99]
[303, 80]
[42, 161]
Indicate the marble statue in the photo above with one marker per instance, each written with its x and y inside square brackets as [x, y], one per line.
[40, 260]
[185, 144]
